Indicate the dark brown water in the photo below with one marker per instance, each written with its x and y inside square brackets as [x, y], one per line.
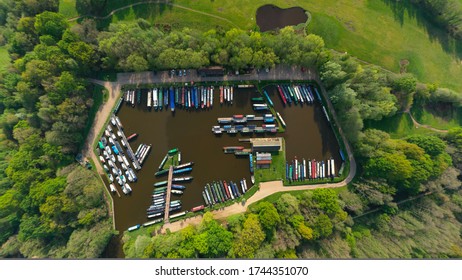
[270, 17]
[308, 135]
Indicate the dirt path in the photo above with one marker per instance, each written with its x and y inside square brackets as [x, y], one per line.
[165, 2]
[100, 119]
[280, 72]
[417, 125]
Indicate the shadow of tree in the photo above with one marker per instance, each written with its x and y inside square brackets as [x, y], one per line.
[402, 8]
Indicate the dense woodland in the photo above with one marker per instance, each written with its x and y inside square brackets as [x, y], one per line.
[407, 191]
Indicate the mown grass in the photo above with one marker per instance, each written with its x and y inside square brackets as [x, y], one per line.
[275, 196]
[4, 59]
[277, 168]
[67, 8]
[440, 119]
[398, 126]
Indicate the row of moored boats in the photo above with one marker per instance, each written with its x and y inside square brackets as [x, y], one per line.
[195, 97]
[221, 191]
[300, 170]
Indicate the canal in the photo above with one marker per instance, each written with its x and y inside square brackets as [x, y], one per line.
[308, 135]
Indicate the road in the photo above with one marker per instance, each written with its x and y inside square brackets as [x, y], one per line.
[280, 72]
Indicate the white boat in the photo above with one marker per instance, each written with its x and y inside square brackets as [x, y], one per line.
[127, 186]
[252, 179]
[177, 192]
[113, 158]
[111, 178]
[113, 121]
[118, 122]
[113, 137]
[109, 127]
[119, 181]
[149, 101]
[123, 143]
[112, 187]
[332, 167]
[122, 177]
[108, 150]
[111, 141]
[111, 164]
[154, 97]
[124, 167]
[105, 168]
[124, 158]
[119, 158]
[102, 159]
[129, 176]
[134, 228]
[107, 133]
[119, 134]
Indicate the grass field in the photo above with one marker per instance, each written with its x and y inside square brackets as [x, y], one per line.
[274, 197]
[440, 119]
[4, 59]
[398, 126]
[67, 8]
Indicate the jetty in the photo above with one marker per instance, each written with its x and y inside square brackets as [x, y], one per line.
[169, 191]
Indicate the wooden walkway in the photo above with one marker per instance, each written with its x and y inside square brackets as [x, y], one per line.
[169, 193]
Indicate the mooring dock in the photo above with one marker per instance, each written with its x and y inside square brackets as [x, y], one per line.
[169, 193]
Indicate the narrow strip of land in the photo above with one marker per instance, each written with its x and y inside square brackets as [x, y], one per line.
[280, 72]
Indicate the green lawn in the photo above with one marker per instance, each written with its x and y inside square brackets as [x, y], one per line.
[398, 126]
[275, 196]
[4, 59]
[442, 119]
[67, 8]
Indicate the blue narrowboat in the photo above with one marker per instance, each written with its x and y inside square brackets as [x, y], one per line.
[172, 99]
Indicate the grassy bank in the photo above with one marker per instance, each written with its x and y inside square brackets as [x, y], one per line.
[440, 118]
[4, 59]
[398, 126]
[67, 8]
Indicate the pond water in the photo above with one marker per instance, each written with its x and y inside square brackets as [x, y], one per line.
[270, 17]
[308, 135]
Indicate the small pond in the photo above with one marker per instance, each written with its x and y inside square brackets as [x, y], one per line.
[270, 17]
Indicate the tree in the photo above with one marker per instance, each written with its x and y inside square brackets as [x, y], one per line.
[432, 145]
[326, 199]
[49, 23]
[394, 167]
[249, 239]
[90, 7]
[267, 215]
[332, 74]
[322, 226]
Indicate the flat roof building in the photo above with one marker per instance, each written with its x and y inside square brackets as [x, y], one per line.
[266, 144]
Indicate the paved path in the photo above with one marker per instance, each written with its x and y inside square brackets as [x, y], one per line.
[280, 72]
